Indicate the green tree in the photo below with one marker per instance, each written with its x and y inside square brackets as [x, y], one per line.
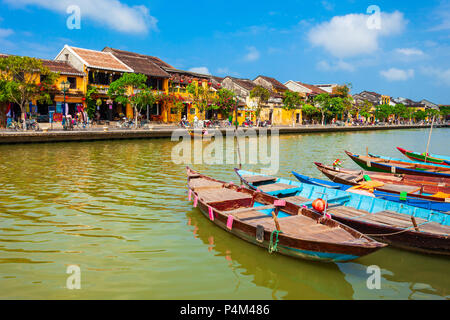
[322, 101]
[363, 109]
[201, 96]
[337, 106]
[383, 112]
[131, 88]
[444, 111]
[400, 111]
[420, 115]
[24, 79]
[292, 101]
[90, 95]
[226, 102]
[310, 110]
[261, 95]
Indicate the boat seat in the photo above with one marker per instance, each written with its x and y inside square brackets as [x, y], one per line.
[222, 194]
[258, 179]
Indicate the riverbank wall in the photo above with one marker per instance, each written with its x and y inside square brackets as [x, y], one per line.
[160, 133]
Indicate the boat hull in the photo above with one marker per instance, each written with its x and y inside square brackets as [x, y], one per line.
[426, 202]
[409, 239]
[288, 244]
[415, 156]
[391, 168]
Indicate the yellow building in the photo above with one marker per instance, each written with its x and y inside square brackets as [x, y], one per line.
[100, 69]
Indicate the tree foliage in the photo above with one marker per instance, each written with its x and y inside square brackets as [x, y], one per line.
[226, 101]
[131, 88]
[261, 95]
[24, 79]
[292, 101]
[201, 96]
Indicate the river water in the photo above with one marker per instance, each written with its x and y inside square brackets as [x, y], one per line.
[119, 210]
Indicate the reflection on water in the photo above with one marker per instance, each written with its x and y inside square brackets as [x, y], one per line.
[119, 210]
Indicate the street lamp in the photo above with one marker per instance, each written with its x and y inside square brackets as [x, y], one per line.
[65, 85]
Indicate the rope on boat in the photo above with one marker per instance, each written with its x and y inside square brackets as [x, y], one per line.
[273, 247]
[394, 233]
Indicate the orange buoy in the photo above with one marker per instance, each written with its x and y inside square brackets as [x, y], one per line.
[319, 205]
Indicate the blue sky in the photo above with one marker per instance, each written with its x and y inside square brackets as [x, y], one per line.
[402, 51]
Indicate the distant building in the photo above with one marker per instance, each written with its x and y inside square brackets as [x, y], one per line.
[330, 88]
[307, 90]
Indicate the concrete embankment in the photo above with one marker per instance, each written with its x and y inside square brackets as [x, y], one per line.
[158, 133]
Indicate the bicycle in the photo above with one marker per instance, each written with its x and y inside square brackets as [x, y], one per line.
[13, 125]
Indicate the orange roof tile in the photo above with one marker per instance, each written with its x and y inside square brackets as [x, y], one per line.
[101, 60]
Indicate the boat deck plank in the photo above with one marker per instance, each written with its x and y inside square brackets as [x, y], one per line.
[223, 194]
[276, 187]
[258, 179]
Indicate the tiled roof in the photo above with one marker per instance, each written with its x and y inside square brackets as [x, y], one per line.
[101, 60]
[178, 73]
[275, 83]
[314, 89]
[62, 67]
[139, 63]
[247, 84]
[155, 60]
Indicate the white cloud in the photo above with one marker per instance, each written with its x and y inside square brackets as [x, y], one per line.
[225, 71]
[337, 66]
[442, 75]
[442, 13]
[5, 33]
[394, 74]
[327, 5]
[252, 54]
[351, 35]
[202, 70]
[410, 51]
[112, 13]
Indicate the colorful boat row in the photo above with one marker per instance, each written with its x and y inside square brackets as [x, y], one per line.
[356, 213]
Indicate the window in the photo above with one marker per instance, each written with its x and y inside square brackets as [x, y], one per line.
[102, 78]
[173, 110]
[192, 111]
[19, 76]
[43, 78]
[73, 82]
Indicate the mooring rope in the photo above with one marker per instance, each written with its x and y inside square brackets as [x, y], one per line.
[274, 247]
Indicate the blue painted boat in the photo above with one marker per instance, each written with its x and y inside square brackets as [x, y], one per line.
[408, 199]
[398, 224]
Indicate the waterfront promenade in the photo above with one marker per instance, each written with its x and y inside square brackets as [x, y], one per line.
[166, 131]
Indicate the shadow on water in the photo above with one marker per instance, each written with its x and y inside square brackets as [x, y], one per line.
[288, 278]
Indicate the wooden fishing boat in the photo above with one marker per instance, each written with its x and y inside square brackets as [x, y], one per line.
[413, 195]
[390, 165]
[427, 158]
[277, 225]
[430, 184]
[398, 224]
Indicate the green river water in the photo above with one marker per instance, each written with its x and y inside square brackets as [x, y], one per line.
[119, 210]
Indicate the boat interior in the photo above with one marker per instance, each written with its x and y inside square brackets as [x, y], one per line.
[339, 206]
[253, 209]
